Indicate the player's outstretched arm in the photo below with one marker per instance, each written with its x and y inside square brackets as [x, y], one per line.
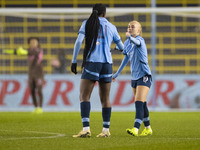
[132, 39]
[77, 48]
[19, 51]
[120, 46]
[123, 64]
[117, 40]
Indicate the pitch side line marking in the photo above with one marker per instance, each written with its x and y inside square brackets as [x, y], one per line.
[54, 135]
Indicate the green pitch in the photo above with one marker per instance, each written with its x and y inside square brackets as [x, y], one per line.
[26, 131]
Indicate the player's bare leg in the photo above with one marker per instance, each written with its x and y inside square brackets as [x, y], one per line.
[141, 93]
[86, 87]
[104, 93]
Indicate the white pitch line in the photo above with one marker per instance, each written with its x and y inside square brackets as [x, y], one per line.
[54, 135]
[57, 135]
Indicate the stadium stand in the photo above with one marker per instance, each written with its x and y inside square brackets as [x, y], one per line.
[177, 49]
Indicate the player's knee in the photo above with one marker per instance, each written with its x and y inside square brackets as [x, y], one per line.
[105, 103]
[140, 97]
[84, 97]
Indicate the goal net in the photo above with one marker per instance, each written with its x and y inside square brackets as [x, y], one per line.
[177, 36]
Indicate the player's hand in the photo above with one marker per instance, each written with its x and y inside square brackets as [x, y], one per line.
[21, 51]
[128, 34]
[73, 68]
[114, 77]
[117, 49]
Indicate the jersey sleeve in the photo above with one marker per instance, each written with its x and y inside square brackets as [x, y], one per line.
[82, 28]
[123, 64]
[136, 41]
[116, 37]
[77, 47]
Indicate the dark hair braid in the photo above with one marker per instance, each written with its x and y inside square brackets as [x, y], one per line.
[91, 30]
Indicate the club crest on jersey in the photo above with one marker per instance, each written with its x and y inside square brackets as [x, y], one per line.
[145, 79]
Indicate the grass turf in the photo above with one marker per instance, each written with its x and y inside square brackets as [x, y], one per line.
[171, 130]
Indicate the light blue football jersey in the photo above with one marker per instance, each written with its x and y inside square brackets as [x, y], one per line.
[137, 57]
[107, 34]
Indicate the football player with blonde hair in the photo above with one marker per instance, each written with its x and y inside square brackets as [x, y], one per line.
[135, 51]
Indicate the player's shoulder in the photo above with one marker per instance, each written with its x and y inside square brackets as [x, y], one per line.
[82, 28]
[112, 25]
[108, 23]
[112, 28]
[139, 38]
[84, 22]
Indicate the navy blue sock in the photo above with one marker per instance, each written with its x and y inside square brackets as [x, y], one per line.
[139, 114]
[106, 114]
[85, 113]
[146, 115]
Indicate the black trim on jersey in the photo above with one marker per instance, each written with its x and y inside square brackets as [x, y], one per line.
[143, 62]
[116, 42]
[81, 32]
